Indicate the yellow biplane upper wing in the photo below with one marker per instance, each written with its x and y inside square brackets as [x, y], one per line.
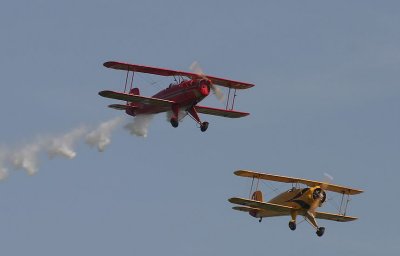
[282, 209]
[334, 217]
[286, 179]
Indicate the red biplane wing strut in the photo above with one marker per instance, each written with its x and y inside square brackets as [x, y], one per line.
[168, 72]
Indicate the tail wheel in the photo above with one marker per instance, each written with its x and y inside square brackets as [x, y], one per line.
[174, 122]
[320, 231]
[292, 225]
[204, 126]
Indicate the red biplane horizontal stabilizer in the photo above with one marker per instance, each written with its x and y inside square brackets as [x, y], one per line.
[220, 112]
[118, 106]
[169, 72]
[136, 98]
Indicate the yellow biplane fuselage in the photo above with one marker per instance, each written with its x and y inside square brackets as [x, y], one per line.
[299, 199]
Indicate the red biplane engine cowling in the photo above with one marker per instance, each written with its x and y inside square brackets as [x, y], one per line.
[204, 86]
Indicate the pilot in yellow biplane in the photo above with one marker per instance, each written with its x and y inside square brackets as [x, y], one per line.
[294, 202]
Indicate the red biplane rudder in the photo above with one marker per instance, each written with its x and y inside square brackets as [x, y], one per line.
[134, 91]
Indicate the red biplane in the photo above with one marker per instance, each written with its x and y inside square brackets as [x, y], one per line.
[182, 95]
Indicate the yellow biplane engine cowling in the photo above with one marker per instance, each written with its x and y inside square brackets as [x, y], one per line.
[319, 194]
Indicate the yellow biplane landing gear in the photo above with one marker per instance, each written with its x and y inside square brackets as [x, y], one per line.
[320, 231]
[260, 220]
[292, 225]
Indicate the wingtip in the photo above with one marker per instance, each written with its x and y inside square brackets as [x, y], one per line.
[109, 64]
[104, 93]
[237, 172]
[230, 200]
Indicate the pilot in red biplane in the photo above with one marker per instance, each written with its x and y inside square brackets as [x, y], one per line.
[183, 95]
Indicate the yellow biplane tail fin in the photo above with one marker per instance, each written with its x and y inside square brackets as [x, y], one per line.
[257, 196]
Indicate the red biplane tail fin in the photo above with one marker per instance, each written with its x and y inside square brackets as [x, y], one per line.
[135, 91]
[257, 196]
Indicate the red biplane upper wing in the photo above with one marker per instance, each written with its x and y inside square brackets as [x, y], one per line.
[229, 83]
[136, 98]
[170, 72]
[220, 112]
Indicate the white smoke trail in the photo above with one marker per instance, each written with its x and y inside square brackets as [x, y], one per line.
[26, 158]
[139, 126]
[3, 173]
[3, 169]
[101, 136]
[63, 145]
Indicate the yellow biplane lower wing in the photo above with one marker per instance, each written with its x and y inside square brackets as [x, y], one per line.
[261, 205]
[333, 217]
[282, 210]
[261, 213]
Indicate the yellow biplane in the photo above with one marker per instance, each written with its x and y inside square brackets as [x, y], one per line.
[296, 201]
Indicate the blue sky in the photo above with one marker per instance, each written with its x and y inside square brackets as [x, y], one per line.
[327, 99]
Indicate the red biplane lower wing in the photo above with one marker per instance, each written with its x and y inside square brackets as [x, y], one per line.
[230, 83]
[170, 72]
[220, 112]
[135, 98]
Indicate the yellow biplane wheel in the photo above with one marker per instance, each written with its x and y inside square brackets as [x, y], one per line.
[292, 225]
[320, 231]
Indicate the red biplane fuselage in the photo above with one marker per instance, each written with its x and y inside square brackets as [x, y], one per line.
[185, 94]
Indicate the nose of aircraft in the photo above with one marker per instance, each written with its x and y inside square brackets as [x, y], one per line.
[204, 87]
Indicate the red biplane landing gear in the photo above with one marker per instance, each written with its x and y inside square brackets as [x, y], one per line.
[174, 122]
[292, 225]
[204, 126]
[174, 119]
[193, 113]
[320, 231]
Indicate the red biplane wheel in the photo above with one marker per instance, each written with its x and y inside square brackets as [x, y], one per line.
[174, 122]
[204, 126]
